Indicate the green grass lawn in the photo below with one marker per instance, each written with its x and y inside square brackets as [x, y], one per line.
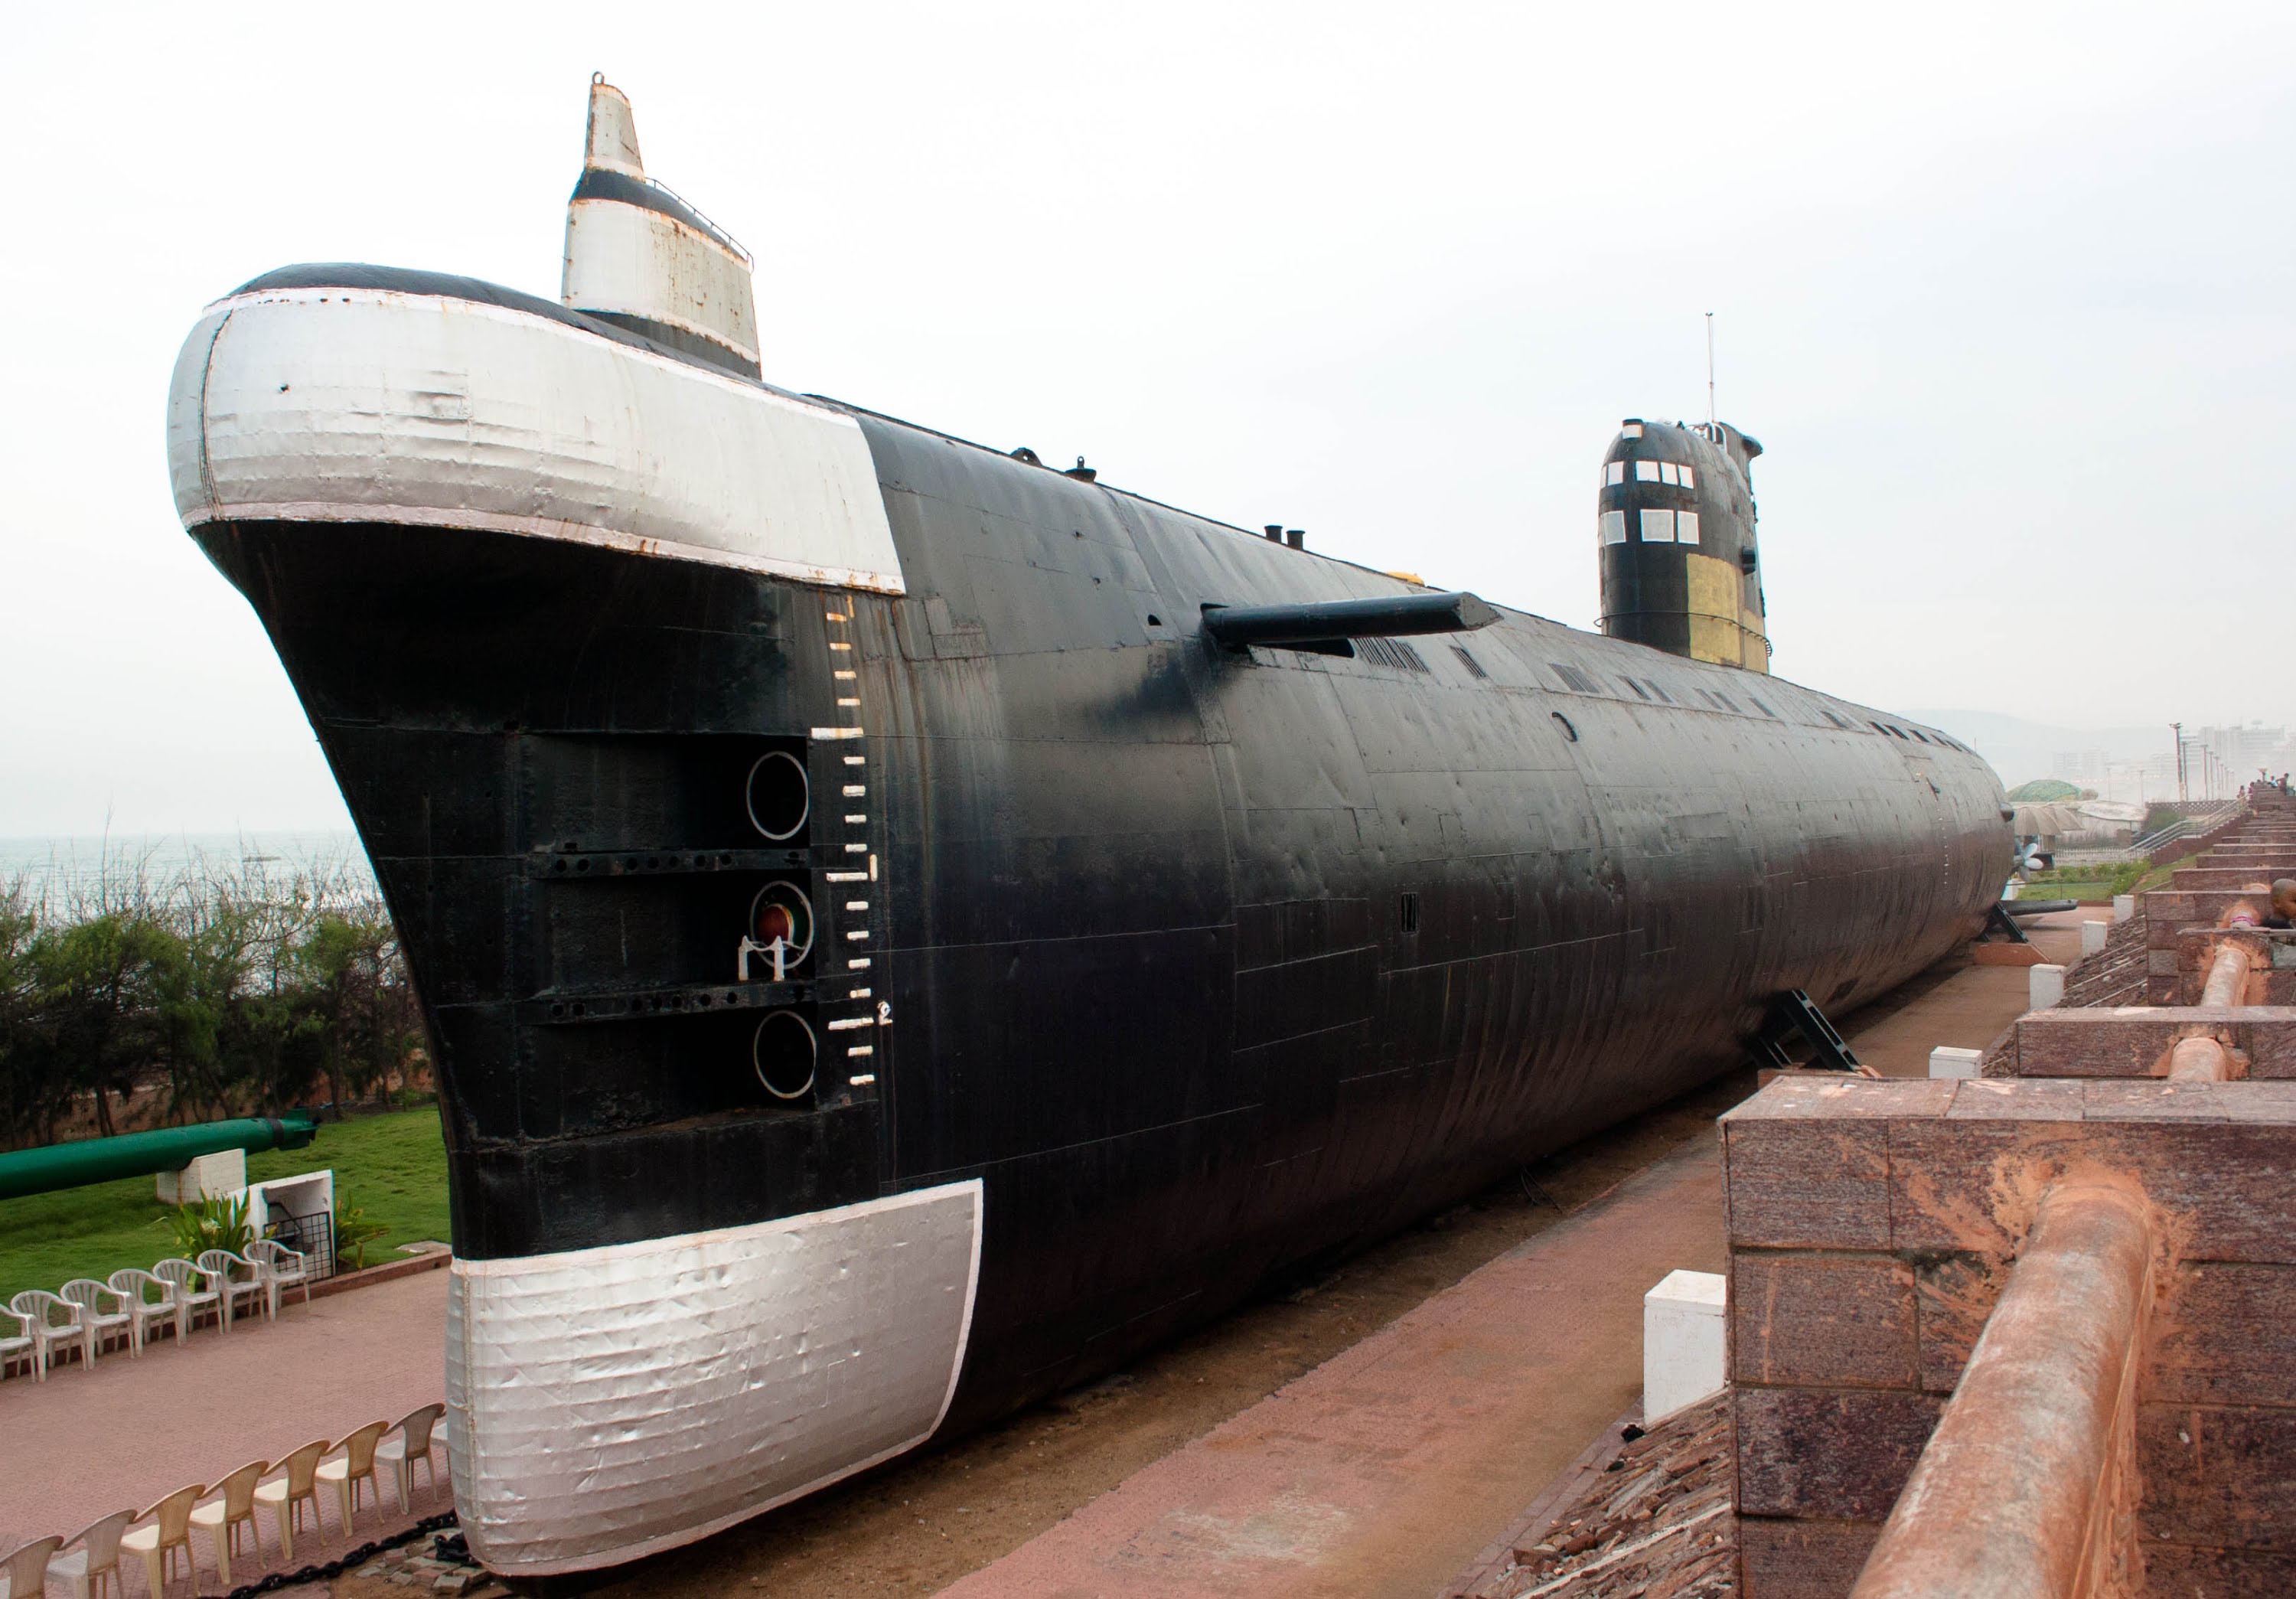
[2098, 882]
[394, 1165]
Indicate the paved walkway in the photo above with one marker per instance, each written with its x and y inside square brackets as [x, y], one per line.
[1385, 1468]
[1971, 1008]
[126, 1432]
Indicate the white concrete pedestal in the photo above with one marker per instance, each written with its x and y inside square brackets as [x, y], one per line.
[2046, 986]
[1682, 1342]
[224, 1172]
[1946, 1061]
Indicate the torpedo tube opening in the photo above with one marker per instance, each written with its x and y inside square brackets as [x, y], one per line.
[780, 797]
[782, 910]
[783, 1054]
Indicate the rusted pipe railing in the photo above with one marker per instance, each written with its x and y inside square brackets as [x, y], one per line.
[2227, 977]
[2201, 1060]
[2018, 1490]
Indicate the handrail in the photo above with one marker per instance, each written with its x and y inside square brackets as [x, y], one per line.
[2014, 1495]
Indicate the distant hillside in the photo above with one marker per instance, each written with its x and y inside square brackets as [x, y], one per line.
[2019, 750]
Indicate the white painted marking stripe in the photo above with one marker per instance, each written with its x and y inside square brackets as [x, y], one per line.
[857, 994]
[864, 1081]
[836, 732]
[856, 818]
[862, 1049]
[848, 1023]
[842, 704]
[846, 876]
[857, 963]
[855, 848]
[856, 760]
[844, 677]
[853, 790]
[839, 644]
[856, 936]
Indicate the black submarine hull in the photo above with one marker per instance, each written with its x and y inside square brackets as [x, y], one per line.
[1186, 962]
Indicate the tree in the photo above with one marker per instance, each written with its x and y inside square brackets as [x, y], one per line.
[99, 981]
[349, 962]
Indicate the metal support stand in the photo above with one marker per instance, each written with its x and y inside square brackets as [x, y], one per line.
[1794, 1011]
[1997, 920]
[749, 946]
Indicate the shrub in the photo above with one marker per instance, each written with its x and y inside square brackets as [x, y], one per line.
[214, 1222]
[353, 1233]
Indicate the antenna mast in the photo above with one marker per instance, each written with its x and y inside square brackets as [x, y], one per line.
[1713, 429]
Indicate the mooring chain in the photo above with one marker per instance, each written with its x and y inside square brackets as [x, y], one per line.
[357, 1557]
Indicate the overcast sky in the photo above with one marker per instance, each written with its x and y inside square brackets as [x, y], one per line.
[2005, 292]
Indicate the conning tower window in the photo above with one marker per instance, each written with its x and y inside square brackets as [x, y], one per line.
[1686, 526]
[1645, 472]
[1658, 527]
[1614, 527]
[1614, 472]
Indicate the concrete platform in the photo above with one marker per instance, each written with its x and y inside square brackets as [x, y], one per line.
[1389, 1467]
[127, 1431]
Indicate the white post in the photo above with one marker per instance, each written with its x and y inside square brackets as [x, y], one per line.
[2046, 986]
[1945, 1060]
[2124, 906]
[1682, 1342]
[2092, 937]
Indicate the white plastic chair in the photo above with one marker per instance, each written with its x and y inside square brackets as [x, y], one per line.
[183, 1277]
[408, 1442]
[17, 1345]
[221, 1518]
[286, 1497]
[236, 1277]
[94, 1565]
[356, 1465]
[136, 1286]
[167, 1529]
[25, 1572]
[50, 1320]
[283, 1268]
[89, 1295]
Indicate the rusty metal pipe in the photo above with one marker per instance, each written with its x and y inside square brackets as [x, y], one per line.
[2015, 1494]
[2227, 977]
[2200, 1061]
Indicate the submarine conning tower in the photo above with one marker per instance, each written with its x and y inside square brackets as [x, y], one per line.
[1681, 571]
[638, 256]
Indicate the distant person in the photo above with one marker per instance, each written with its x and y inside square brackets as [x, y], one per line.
[2284, 903]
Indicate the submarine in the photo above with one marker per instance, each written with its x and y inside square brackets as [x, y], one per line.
[902, 928]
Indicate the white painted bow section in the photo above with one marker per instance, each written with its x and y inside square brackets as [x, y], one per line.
[371, 405]
[610, 1403]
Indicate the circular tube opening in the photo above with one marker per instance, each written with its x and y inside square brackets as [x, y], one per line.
[781, 910]
[779, 796]
[783, 1054]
